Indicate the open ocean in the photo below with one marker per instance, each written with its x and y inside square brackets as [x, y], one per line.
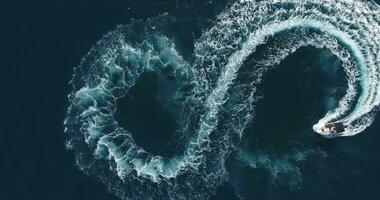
[131, 99]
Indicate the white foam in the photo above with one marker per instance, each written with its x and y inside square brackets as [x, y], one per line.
[350, 29]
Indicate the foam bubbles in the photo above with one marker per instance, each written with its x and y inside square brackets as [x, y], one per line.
[349, 29]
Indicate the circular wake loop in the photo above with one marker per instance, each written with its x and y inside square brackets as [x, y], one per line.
[349, 29]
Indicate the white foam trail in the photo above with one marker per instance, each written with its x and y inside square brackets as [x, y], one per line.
[350, 29]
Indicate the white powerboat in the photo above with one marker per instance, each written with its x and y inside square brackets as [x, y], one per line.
[331, 130]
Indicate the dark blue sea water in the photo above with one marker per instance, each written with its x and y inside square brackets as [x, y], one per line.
[42, 42]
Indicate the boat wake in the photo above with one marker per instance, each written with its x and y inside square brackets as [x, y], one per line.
[215, 108]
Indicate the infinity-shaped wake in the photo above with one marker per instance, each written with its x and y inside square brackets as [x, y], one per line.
[349, 29]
